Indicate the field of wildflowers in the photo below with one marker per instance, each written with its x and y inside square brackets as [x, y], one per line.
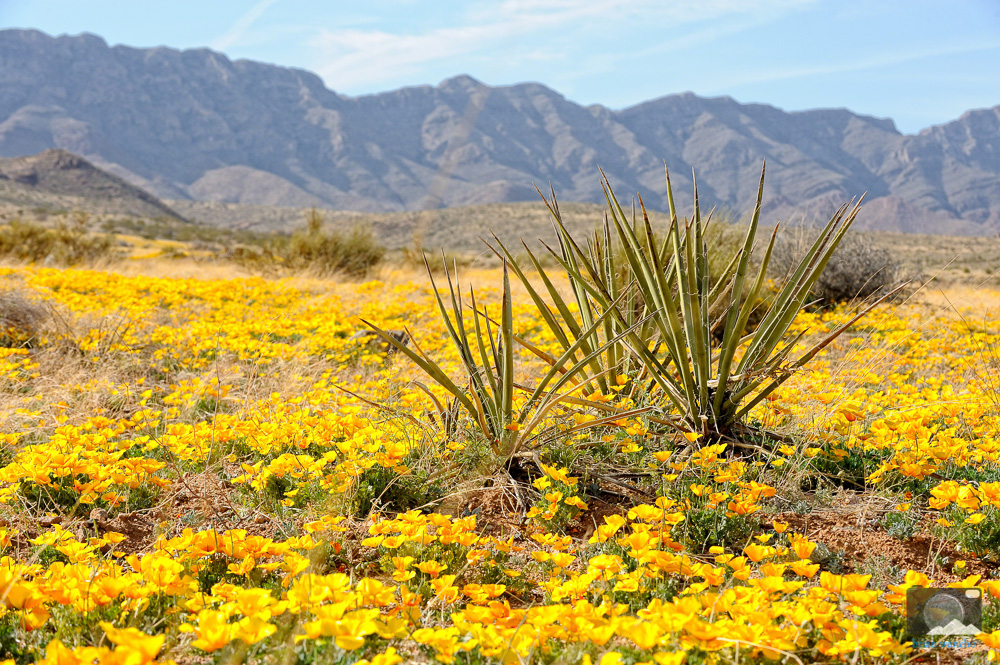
[230, 470]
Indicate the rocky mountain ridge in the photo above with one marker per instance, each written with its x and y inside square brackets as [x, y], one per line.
[195, 125]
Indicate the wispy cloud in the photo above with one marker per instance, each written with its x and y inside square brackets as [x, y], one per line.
[234, 33]
[355, 57]
[877, 61]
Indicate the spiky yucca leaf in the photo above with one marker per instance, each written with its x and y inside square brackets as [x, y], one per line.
[597, 265]
[489, 363]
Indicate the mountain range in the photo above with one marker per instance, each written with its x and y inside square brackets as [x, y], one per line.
[194, 125]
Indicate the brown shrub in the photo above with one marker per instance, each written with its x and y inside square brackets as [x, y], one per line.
[859, 269]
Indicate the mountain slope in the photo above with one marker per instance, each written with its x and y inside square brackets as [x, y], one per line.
[193, 124]
[60, 176]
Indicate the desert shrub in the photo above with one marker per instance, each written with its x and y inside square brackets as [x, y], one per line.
[353, 253]
[253, 258]
[858, 269]
[21, 318]
[66, 244]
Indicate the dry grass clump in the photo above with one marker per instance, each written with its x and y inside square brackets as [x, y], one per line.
[353, 252]
[858, 270]
[21, 317]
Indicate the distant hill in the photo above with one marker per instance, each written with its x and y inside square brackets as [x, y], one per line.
[195, 125]
[58, 179]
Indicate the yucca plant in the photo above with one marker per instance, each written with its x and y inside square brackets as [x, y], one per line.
[486, 348]
[711, 384]
[599, 276]
[632, 319]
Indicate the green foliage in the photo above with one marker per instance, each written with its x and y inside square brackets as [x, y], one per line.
[991, 614]
[982, 539]
[385, 489]
[900, 525]
[894, 623]
[46, 555]
[142, 497]
[708, 525]
[216, 571]
[829, 559]
[10, 645]
[848, 468]
[802, 507]
[59, 494]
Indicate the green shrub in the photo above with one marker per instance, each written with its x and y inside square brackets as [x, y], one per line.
[64, 245]
[982, 538]
[385, 489]
[353, 253]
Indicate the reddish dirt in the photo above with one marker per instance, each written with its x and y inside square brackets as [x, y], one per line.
[858, 537]
[948, 656]
[139, 530]
[203, 495]
[591, 518]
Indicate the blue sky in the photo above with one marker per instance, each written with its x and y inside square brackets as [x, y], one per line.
[920, 62]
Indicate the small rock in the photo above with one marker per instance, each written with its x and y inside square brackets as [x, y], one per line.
[49, 521]
[375, 342]
[821, 554]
